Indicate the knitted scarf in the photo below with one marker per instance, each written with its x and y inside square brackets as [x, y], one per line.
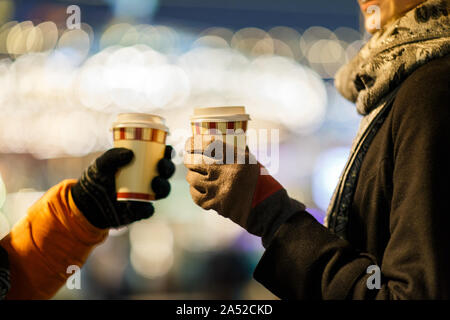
[372, 78]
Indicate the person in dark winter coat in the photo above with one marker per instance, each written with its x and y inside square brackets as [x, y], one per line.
[385, 234]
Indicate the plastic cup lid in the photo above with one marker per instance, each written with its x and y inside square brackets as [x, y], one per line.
[143, 120]
[220, 114]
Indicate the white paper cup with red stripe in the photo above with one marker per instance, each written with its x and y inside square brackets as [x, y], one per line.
[219, 121]
[145, 135]
[224, 123]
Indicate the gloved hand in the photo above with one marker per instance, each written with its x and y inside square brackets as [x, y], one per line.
[95, 192]
[241, 190]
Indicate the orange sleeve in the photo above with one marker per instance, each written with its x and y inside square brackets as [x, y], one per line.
[53, 236]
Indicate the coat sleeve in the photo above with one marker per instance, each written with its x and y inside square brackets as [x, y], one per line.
[51, 237]
[306, 261]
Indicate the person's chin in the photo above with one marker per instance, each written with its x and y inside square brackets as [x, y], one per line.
[371, 30]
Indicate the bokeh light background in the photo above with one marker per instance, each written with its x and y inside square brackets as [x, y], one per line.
[61, 88]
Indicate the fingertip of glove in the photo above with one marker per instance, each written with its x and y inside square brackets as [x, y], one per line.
[168, 152]
[124, 154]
[113, 159]
[133, 211]
[161, 187]
[166, 168]
[144, 211]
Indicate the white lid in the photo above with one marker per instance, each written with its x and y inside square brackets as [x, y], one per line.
[143, 120]
[219, 114]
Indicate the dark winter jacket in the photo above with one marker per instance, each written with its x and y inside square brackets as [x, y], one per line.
[399, 217]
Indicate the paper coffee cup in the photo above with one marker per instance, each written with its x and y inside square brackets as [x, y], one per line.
[219, 121]
[227, 124]
[145, 135]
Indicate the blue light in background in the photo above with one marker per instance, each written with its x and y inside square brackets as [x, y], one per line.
[134, 8]
[326, 175]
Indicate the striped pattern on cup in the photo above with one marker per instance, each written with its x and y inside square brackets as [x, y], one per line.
[142, 134]
[214, 128]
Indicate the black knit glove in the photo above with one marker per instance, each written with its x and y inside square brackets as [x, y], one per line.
[95, 192]
[5, 281]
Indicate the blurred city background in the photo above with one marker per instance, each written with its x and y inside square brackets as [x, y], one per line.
[61, 88]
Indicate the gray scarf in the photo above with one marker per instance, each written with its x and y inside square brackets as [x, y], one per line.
[372, 78]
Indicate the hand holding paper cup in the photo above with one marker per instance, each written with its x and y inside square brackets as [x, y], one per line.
[228, 125]
[145, 135]
[117, 187]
